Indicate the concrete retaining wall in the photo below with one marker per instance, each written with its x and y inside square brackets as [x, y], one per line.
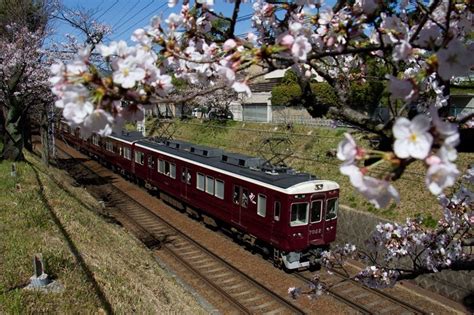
[355, 227]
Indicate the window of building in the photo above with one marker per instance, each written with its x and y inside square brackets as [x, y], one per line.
[127, 153]
[316, 210]
[219, 189]
[331, 209]
[262, 205]
[139, 157]
[109, 146]
[210, 185]
[299, 214]
[200, 180]
[277, 210]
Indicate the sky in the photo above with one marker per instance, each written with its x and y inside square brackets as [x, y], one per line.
[125, 16]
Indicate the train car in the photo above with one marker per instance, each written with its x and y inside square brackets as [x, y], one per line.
[289, 216]
[119, 152]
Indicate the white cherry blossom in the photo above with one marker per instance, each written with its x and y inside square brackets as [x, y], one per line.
[454, 60]
[99, 121]
[128, 74]
[412, 137]
[440, 176]
[401, 89]
[378, 192]
[77, 104]
[347, 149]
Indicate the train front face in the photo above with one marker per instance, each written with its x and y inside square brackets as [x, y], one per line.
[312, 221]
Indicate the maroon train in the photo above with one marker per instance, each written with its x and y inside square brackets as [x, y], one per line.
[287, 215]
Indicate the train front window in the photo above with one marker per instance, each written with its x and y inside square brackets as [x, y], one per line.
[331, 209]
[316, 207]
[299, 214]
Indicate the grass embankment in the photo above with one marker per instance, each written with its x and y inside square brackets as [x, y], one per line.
[101, 267]
[310, 147]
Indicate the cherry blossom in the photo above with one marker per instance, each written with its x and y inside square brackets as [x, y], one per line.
[454, 60]
[378, 192]
[412, 138]
[441, 175]
[128, 73]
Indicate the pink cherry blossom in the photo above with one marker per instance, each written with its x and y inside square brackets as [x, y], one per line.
[301, 47]
[229, 45]
[412, 137]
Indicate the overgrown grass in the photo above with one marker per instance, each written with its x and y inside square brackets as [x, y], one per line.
[101, 267]
[313, 150]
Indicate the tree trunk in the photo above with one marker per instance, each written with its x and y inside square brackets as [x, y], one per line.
[44, 131]
[2, 123]
[13, 134]
[27, 140]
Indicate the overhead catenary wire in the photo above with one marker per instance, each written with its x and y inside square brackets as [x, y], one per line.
[138, 22]
[114, 4]
[140, 11]
[126, 11]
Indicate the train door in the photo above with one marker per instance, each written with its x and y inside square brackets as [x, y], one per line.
[150, 168]
[276, 219]
[316, 220]
[240, 201]
[185, 182]
[330, 219]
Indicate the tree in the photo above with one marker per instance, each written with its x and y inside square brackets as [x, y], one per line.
[24, 73]
[421, 47]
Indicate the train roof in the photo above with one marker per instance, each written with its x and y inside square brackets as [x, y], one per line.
[243, 165]
[128, 136]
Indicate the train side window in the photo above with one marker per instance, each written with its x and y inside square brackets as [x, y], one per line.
[139, 157]
[210, 185]
[331, 209]
[186, 176]
[173, 171]
[262, 205]
[167, 168]
[277, 210]
[245, 198]
[161, 166]
[109, 146]
[219, 189]
[200, 180]
[95, 140]
[236, 195]
[316, 209]
[299, 214]
[127, 153]
[150, 162]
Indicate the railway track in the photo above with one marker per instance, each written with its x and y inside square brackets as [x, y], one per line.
[364, 299]
[241, 292]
